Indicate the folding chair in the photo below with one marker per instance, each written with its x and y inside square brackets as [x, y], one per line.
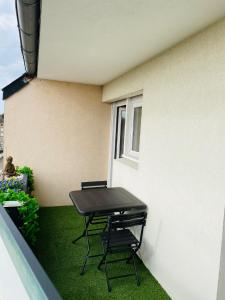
[97, 218]
[119, 239]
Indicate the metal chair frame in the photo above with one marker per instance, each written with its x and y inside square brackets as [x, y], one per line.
[117, 224]
[92, 220]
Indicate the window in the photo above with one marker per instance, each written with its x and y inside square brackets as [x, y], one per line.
[121, 111]
[128, 128]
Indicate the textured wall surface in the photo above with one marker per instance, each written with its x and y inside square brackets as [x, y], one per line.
[61, 130]
[181, 172]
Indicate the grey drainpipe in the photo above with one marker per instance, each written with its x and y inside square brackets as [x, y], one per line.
[28, 18]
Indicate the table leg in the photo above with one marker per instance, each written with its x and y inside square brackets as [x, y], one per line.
[79, 237]
[90, 218]
[84, 232]
[87, 256]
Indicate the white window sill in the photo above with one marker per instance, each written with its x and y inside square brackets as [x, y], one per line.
[129, 162]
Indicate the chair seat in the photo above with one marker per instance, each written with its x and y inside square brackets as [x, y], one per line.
[120, 238]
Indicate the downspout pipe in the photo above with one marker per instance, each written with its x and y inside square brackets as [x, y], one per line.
[28, 19]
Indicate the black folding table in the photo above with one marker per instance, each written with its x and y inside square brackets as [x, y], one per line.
[110, 200]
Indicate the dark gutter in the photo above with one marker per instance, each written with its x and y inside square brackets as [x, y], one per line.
[28, 19]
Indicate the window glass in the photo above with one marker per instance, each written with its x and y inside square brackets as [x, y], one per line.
[136, 128]
[122, 131]
[128, 128]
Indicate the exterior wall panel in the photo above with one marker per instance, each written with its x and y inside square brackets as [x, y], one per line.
[61, 131]
[181, 172]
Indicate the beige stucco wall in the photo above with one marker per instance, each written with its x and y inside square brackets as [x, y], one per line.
[181, 173]
[60, 130]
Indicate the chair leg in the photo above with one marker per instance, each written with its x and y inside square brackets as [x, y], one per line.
[106, 274]
[130, 257]
[88, 247]
[105, 227]
[102, 261]
[135, 268]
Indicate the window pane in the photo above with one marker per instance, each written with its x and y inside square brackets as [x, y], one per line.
[122, 131]
[136, 129]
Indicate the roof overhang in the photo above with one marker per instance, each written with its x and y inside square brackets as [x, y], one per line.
[96, 41]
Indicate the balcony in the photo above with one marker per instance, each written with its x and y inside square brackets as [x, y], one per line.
[138, 101]
[62, 261]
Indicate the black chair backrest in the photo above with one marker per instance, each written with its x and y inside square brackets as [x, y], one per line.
[123, 221]
[93, 184]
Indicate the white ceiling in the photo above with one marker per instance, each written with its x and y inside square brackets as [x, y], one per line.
[95, 41]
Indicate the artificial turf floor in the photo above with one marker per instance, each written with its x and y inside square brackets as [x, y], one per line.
[62, 261]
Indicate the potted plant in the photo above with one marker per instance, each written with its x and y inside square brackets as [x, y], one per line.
[21, 205]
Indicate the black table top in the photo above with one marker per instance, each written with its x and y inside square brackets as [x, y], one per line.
[106, 200]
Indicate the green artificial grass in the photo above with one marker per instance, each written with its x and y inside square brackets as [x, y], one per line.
[62, 261]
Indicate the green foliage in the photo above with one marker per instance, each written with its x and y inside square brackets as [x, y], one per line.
[28, 212]
[29, 172]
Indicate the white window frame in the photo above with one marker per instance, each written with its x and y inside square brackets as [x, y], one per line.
[116, 105]
[131, 103]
